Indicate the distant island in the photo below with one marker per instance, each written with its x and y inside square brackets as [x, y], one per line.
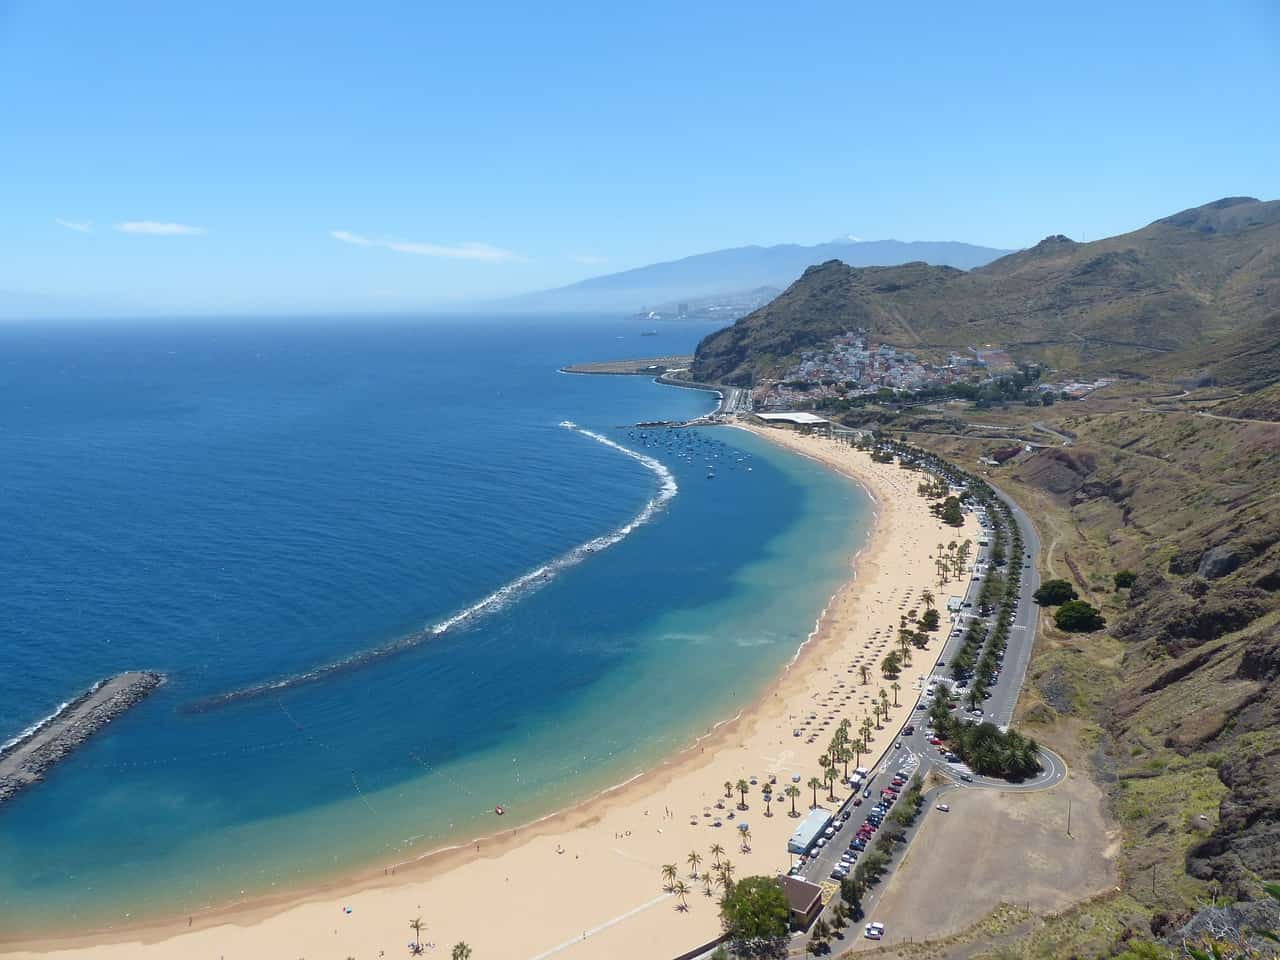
[725, 284]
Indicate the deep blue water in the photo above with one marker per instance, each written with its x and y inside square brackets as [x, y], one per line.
[236, 503]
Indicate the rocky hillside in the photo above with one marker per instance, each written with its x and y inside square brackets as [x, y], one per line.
[1175, 284]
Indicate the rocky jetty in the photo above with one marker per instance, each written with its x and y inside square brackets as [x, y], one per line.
[25, 760]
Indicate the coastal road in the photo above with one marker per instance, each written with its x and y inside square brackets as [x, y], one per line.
[913, 754]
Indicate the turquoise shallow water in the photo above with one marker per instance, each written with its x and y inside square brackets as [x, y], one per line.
[241, 504]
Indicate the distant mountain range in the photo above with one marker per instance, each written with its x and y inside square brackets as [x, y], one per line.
[1175, 285]
[735, 272]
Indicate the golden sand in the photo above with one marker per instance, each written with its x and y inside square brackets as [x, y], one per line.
[588, 881]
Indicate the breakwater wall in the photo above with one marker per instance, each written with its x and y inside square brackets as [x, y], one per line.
[25, 759]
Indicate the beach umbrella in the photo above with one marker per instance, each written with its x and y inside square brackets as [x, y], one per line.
[742, 827]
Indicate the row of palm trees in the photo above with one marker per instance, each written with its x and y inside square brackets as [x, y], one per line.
[951, 561]
[719, 874]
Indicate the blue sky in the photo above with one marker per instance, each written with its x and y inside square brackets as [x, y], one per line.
[209, 157]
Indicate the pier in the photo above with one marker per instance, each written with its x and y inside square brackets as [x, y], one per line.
[25, 761]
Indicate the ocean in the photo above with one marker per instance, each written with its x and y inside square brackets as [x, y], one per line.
[397, 572]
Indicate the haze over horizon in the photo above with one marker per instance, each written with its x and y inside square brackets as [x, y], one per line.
[291, 159]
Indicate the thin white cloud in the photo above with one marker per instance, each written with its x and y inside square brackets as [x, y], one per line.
[471, 250]
[590, 259]
[348, 237]
[156, 229]
[79, 226]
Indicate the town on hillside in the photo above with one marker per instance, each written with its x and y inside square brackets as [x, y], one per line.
[851, 371]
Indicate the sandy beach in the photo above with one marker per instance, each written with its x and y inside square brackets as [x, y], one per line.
[587, 882]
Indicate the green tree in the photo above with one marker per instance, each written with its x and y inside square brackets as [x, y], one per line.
[1076, 616]
[717, 852]
[931, 620]
[755, 914]
[694, 858]
[1054, 592]
[891, 665]
[743, 787]
[669, 874]
[461, 951]
[831, 776]
[1124, 579]
[681, 890]
[793, 791]
[813, 784]
[851, 891]
[416, 926]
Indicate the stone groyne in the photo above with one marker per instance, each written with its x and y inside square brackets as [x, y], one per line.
[25, 760]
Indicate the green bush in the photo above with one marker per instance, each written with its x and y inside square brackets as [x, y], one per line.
[1054, 592]
[1124, 579]
[755, 910]
[1076, 616]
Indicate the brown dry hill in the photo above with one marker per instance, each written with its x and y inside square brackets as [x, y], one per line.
[1177, 283]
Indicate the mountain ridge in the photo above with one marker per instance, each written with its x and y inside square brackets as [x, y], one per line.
[1178, 282]
[735, 270]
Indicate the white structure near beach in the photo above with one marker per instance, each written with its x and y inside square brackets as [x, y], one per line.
[808, 831]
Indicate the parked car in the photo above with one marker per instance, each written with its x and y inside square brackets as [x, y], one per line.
[945, 808]
[874, 931]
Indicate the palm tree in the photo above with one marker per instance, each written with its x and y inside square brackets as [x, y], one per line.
[844, 757]
[746, 840]
[694, 858]
[928, 599]
[717, 851]
[743, 787]
[706, 881]
[728, 789]
[416, 926]
[793, 791]
[895, 687]
[884, 703]
[875, 709]
[814, 783]
[669, 874]
[681, 890]
[461, 951]
[831, 779]
[768, 799]
[866, 674]
[726, 876]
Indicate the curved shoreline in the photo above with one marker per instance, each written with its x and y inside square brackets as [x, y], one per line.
[459, 867]
[493, 844]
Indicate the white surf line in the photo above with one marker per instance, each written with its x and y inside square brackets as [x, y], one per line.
[602, 927]
[495, 601]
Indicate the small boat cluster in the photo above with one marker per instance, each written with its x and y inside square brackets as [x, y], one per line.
[695, 447]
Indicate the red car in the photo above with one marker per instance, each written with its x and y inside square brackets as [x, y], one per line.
[935, 741]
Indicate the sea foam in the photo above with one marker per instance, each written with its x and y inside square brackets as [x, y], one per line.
[499, 599]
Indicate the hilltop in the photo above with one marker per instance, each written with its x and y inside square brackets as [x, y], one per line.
[1175, 284]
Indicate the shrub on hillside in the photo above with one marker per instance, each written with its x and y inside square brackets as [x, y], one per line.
[1076, 616]
[1054, 592]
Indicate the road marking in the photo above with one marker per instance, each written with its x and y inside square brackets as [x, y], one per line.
[602, 927]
